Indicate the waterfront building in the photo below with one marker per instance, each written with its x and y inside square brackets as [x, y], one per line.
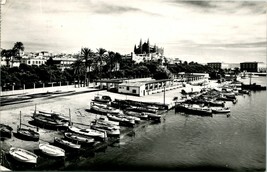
[249, 66]
[218, 65]
[147, 87]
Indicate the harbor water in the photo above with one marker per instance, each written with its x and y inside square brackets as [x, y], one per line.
[190, 142]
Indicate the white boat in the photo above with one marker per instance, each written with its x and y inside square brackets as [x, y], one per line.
[220, 110]
[103, 109]
[104, 119]
[111, 131]
[23, 155]
[51, 150]
[88, 132]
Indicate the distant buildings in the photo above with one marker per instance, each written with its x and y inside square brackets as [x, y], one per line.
[249, 66]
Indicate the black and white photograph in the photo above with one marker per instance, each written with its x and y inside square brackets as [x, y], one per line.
[133, 85]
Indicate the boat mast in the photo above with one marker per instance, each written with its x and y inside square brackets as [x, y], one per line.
[19, 119]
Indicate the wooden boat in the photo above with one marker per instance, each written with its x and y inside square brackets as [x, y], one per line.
[54, 115]
[220, 110]
[103, 110]
[111, 131]
[5, 131]
[141, 109]
[88, 132]
[136, 119]
[197, 110]
[105, 120]
[122, 120]
[81, 139]
[140, 115]
[153, 116]
[2, 168]
[44, 121]
[66, 144]
[28, 134]
[23, 155]
[51, 150]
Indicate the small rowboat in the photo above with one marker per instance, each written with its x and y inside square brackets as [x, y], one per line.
[66, 144]
[88, 132]
[23, 155]
[51, 150]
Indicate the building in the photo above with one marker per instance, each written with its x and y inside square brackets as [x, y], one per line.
[249, 66]
[218, 65]
[33, 61]
[143, 88]
[215, 65]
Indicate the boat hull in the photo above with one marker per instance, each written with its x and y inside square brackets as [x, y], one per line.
[23, 155]
[51, 150]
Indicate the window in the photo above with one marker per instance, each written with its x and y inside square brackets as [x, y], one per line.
[128, 88]
[29, 62]
[134, 91]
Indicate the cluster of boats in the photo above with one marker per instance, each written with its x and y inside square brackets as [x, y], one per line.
[210, 101]
[75, 137]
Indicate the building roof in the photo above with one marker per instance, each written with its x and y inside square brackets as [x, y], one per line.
[133, 84]
[248, 62]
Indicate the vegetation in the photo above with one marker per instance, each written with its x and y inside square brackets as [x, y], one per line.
[91, 66]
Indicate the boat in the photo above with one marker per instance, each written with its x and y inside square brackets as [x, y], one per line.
[51, 150]
[81, 139]
[220, 110]
[244, 91]
[140, 115]
[88, 132]
[141, 109]
[2, 168]
[54, 115]
[107, 123]
[49, 122]
[5, 131]
[103, 109]
[28, 134]
[23, 155]
[104, 119]
[153, 116]
[102, 99]
[111, 131]
[136, 119]
[193, 109]
[66, 144]
[122, 120]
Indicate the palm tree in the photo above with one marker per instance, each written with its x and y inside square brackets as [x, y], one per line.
[87, 55]
[101, 52]
[111, 56]
[79, 68]
[18, 47]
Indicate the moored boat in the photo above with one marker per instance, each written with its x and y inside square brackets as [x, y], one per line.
[81, 139]
[122, 120]
[103, 109]
[140, 115]
[153, 116]
[66, 144]
[193, 109]
[221, 110]
[51, 150]
[44, 121]
[102, 99]
[5, 131]
[23, 155]
[111, 131]
[88, 132]
[28, 134]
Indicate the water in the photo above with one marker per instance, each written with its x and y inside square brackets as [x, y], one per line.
[189, 142]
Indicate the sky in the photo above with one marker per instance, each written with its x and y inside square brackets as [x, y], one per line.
[200, 31]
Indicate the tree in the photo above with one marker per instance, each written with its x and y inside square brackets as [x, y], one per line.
[79, 68]
[111, 56]
[18, 47]
[101, 52]
[7, 54]
[87, 55]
